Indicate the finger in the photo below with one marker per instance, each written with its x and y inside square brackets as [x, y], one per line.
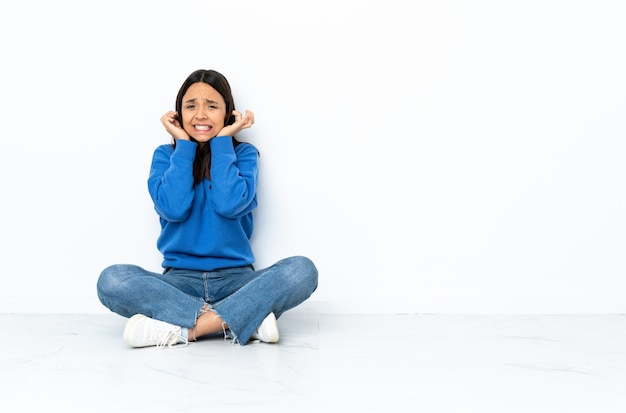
[248, 119]
[237, 115]
[169, 116]
[250, 116]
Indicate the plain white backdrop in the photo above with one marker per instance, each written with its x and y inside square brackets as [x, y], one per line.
[429, 156]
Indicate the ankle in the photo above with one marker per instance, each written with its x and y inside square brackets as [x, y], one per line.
[191, 334]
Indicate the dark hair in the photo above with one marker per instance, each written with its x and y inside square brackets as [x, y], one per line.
[202, 162]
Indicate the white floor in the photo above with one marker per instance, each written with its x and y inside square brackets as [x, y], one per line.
[323, 363]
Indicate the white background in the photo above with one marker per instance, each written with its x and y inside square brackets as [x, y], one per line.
[429, 156]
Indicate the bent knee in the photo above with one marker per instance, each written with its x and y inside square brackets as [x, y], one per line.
[306, 270]
[113, 276]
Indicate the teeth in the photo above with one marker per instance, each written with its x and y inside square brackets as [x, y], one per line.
[202, 127]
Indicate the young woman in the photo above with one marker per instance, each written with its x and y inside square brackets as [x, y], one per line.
[203, 186]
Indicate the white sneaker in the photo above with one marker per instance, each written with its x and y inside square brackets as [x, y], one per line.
[267, 332]
[143, 331]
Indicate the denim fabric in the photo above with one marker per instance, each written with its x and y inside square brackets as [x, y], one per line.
[241, 296]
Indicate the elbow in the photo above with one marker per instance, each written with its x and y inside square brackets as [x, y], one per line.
[235, 209]
[172, 214]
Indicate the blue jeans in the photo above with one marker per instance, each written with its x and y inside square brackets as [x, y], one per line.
[241, 296]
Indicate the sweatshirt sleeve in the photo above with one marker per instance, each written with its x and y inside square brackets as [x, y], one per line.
[234, 174]
[171, 180]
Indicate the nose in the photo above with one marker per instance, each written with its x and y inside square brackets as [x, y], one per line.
[201, 113]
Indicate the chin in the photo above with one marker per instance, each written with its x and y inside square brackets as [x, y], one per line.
[202, 139]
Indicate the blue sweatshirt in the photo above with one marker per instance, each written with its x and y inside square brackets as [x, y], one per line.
[205, 226]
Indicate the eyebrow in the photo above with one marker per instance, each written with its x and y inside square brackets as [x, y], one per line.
[193, 100]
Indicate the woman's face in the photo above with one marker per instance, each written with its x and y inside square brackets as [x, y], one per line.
[204, 111]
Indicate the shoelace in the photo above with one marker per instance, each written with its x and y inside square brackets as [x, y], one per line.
[167, 340]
